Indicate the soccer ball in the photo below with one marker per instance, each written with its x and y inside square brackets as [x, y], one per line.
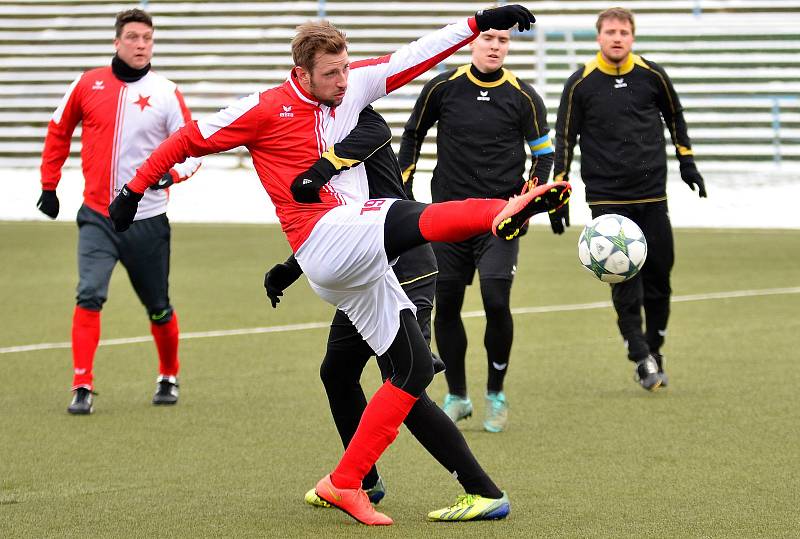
[613, 248]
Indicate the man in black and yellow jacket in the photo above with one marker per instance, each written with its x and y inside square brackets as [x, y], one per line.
[486, 116]
[614, 106]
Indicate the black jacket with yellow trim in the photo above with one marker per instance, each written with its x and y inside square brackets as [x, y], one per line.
[616, 114]
[484, 123]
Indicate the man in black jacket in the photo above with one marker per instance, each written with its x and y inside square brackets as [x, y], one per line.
[347, 352]
[485, 116]
[614, 107]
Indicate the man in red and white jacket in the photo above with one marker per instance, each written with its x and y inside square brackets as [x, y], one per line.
[126, 111]
[342, 240]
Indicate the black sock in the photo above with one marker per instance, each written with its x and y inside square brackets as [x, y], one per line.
[441, 438]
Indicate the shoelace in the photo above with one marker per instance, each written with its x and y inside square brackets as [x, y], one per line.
[463, 500]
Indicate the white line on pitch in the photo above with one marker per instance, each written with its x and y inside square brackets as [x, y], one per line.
[467, 314]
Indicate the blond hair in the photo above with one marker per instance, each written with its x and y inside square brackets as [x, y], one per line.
[315, 37]
[618, 13]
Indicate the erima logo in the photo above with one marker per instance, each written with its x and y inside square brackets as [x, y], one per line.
[484, 96]
[620, 83]
[287, 112]
[306, 181]
[98, 85]
[499, 366]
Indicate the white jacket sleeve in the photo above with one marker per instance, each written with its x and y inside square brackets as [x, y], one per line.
[373, 78]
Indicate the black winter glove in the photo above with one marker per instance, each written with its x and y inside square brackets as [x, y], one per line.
[279, 278]
[559, 219]
[123, 208]
[692, 177]
[504, 18]
[48, 203]
[165, 181]
[306, 186]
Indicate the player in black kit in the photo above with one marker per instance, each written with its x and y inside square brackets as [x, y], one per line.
[614, 105]
[347, 353]
[485, 116]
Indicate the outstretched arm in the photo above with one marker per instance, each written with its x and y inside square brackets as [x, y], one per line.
[376, 77]
[229, 128]
[179, 115]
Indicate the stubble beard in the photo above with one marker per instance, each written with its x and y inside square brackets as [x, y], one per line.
[327, 102]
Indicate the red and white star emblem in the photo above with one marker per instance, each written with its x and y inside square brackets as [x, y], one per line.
[143, 101]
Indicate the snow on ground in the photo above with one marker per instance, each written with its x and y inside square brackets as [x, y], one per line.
[739, 196]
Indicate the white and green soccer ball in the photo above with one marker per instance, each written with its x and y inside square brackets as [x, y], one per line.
[612, 248]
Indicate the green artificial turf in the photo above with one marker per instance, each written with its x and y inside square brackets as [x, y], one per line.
[587, 453]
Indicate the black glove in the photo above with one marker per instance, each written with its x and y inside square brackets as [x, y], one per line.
[123, 208]
[692, 177]
[165, 181]
[306, 186]
[504, 18]
[48, 203]
[559, 219]
[279, 278]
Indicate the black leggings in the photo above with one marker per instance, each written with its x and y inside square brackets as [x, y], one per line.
[401, 230]
[650, 290]
[341, 371]
[451, 338]
[407, 362]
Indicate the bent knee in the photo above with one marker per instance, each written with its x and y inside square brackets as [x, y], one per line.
[160, 315]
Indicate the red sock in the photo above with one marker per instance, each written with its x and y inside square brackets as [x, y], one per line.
[85, 336]
[459, 220]
[384, 413]
[166, 337]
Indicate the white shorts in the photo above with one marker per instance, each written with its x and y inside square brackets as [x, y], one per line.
[344, 259]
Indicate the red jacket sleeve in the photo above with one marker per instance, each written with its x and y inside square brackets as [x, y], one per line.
[236, 125]
[59, 135]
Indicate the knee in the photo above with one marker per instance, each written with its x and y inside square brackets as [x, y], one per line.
[420, 376]
[340, 371]
[327, 373]
[90, 300]
[446, 310]
[497, 307]
[160, 315]
[449, 298]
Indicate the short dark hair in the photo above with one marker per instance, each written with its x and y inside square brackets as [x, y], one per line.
[315, 37]
[618, 13]
[131, 15]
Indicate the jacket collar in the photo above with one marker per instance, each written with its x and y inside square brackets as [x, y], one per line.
[302, 94]
[611, 69]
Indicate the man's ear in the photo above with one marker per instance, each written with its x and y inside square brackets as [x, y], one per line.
[302, 74]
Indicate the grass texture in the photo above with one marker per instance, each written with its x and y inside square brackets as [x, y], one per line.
[587, 453]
